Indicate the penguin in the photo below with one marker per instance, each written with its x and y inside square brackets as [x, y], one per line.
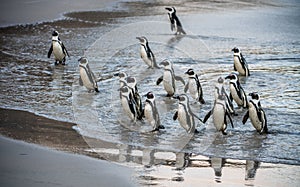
[146, 53]
[168, 78]
[237, 93]
[240, 63]
[87, 77]
[219, 112]
[185, 115]
[150, 112]
[219, 90]
[128, 103]
[256, 113]
[175, 23]
[58, 48]
[131, 83]
[194, 86]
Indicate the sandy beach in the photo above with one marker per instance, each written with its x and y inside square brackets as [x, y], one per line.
[38, 151]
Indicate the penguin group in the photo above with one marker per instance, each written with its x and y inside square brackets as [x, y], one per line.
[131, 100]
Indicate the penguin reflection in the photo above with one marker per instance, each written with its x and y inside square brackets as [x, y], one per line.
[217, 164]
[251, 168]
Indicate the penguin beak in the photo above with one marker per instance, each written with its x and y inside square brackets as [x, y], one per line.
[169, 9]
[116, 74]
[139, 38]
[227, 77]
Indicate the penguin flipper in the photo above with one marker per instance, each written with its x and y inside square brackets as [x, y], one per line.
[80, 81]
[207, 116]
[50, 51]
[178, 78]
[65, 49]
[246, 116]
[197, 117]
[186, 87]
[175, 115]
[230, 97]
[159, 80]
[227, 113]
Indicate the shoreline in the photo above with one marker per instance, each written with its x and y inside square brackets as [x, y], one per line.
[40, 136]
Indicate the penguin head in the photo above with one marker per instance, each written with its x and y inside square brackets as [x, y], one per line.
[166, 63]
[121, 75]
[83, 61]
[54, 33]
[150, 95]
[232, 77]
[190, 72]
[183, 99]
[254, 95]
[143, 40]
[235, 50]
[171, 9]
[220, 80]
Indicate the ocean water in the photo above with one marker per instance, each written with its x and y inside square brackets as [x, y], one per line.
[268, 36]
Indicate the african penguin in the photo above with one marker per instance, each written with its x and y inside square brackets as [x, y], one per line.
[240, 63]
[151, 113]
[175, 23]
[128, 103]
[87, 77]
[237, 93]
[256, 113]
[168, 78]
[219, 112]
[194, 86]
[219, 90]
[58, 49]
[131, 83]
[146, 53]
[185, 115]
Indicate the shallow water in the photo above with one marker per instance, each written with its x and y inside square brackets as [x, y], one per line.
[267, 36]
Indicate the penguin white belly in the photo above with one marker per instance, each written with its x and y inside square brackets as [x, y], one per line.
[168, 83]
[218, 117]
[257, 124]
[238, 65]
[149, 115]
[126, 108]
[235, 95]
[85, 79]
[145, 57]
[182, 118]
[193, 89]
[57, 51]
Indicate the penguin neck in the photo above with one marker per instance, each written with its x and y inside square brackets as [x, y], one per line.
[55, 38]
[236, 54]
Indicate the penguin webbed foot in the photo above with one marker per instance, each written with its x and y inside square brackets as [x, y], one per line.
[196, 131]
[161, 127]
[55, 63]
[96, 90]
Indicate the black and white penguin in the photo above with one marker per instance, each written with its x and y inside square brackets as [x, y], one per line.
[219, 90]
[128, 103]
[151, 113]
[59, 50]
[87, 77]
[146, 53]
[219, 112]
[240, 63]
[185, 115]
[132, 84]
[194, 86]
[168, 78]
[175, 23]
[256, 113]
[237, 93]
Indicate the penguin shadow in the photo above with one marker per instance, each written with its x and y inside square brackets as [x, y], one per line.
[175, 39]
[217, 164]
